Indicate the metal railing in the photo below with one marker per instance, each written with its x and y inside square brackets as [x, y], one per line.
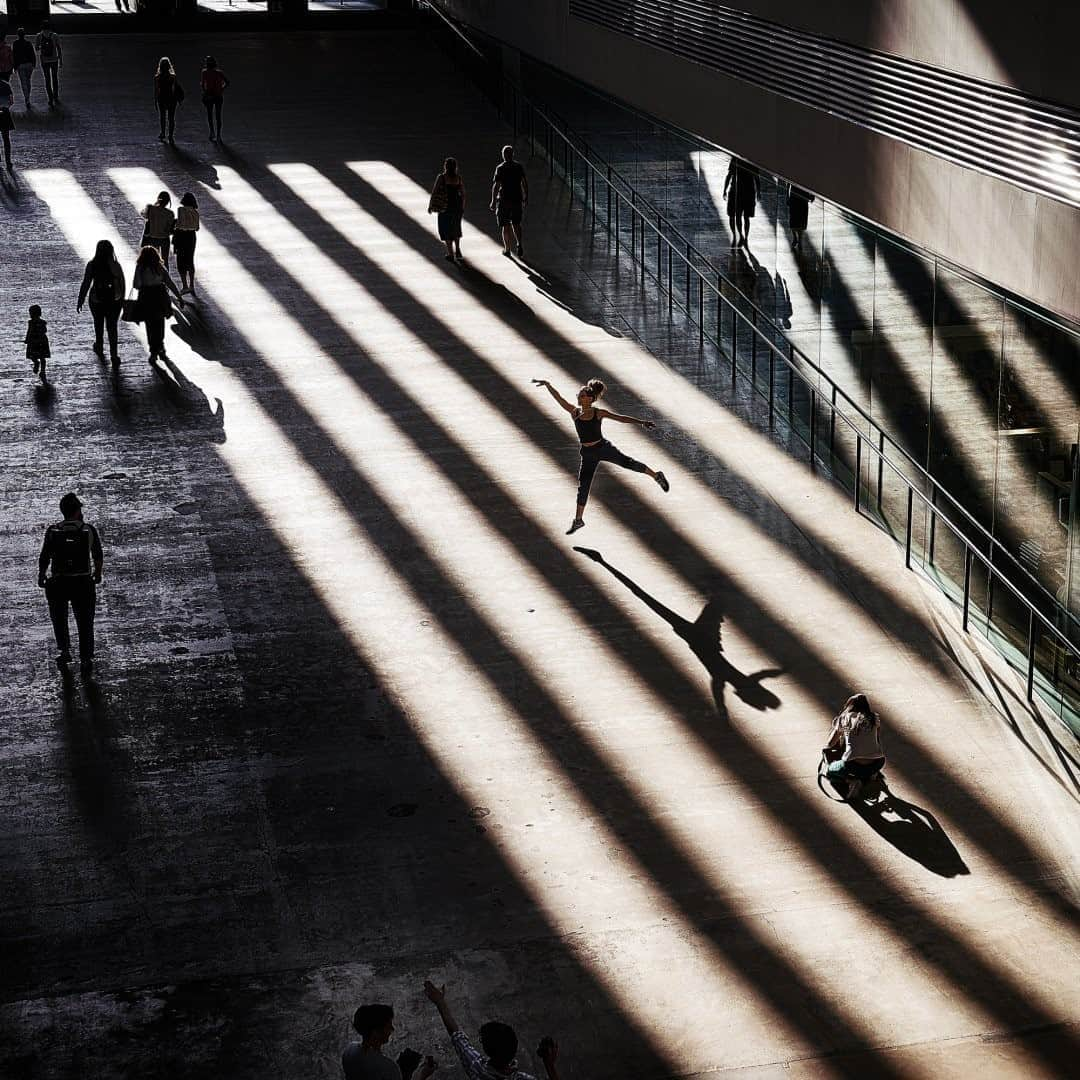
[841, 438]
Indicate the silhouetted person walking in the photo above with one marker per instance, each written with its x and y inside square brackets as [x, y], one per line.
[7, 121]
[37, 342]
[160, 222]
[184, 238]
[7, 58]
[51, 57]
[498, 1041]
[509, 197]
[154, 285]
[365, 1060]
[798, 208]
[594, 447]
[168, 94]
[448, 203]
[72, 549]
[213, 83]
[103, 281]
[25, 61]
[741, 189]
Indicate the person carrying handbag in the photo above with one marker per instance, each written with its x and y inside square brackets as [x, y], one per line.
[448, 202]
[154, 284]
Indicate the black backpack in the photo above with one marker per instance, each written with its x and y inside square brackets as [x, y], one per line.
[48, 49]
[103, 283]
[70, 548]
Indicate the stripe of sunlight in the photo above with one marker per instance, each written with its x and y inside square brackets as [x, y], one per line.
[300, 256]
[718, 436]
[681, 767]
[492, 340]
[403, 264]
[821, 511]
[500, 345]
[335, 402]
[365, 591]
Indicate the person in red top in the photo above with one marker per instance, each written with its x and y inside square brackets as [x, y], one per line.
[213, 83]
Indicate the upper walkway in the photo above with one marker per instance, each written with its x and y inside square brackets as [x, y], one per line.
[366, 715]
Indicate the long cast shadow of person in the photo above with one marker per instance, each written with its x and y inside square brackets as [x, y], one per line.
[703, 637]
[913, 831]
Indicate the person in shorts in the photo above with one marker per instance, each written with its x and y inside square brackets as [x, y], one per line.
[213, 83]
[509, 197]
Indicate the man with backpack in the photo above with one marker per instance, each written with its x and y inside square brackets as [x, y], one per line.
[51, 56]
[22, 53]
[73, 550]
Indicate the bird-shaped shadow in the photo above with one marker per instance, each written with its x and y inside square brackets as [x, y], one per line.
[703, 635]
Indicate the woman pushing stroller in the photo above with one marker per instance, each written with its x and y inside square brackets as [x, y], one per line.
[853, 752]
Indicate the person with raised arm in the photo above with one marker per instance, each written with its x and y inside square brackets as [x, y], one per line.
[594, 447]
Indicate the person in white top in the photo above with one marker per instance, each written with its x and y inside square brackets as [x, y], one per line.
[854, 750]
[187, 225]
[160, 221]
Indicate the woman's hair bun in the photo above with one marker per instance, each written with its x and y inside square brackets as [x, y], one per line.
[595, 387]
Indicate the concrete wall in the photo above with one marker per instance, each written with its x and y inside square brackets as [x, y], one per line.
[1025, 242]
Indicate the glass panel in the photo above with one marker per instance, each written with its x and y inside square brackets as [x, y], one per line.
[847, 319]
[1038, 436]
[966, 372]
[798, 272]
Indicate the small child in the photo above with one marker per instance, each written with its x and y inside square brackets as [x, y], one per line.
[37, 341]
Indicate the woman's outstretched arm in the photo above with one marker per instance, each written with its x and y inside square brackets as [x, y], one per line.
[555, 394]
[605, 414]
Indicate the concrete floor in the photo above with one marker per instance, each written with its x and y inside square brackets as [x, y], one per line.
[364, 715]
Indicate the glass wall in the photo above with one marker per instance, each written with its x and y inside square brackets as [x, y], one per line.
[980, 389]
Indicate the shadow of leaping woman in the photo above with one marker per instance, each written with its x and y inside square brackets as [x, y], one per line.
[704, 638]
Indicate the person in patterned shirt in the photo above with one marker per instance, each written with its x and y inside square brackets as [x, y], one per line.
[499, 1042]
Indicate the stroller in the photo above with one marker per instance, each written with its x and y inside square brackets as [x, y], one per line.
[857, 782]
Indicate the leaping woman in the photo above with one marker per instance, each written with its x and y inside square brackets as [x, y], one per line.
[594, 447]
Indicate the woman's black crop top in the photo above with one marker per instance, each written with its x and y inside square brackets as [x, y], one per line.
[588, 430]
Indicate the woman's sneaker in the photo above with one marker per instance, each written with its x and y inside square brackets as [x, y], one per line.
[662, 480]
[576, 524]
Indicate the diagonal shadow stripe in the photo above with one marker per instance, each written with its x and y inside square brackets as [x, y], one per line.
[773, 978]
[995, 838]
[954, 959]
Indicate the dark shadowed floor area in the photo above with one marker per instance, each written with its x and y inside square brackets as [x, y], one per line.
[363, 714]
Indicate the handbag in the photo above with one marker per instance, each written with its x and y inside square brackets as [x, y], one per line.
[131, 310]
[440, 200]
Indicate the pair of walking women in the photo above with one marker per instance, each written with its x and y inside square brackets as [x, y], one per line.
[169, 95]
[104, 285]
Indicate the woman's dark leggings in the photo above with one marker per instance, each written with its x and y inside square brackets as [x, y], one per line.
[155, 333]
[167, 113]
[106, 317]
[213, 109]
[591, 456]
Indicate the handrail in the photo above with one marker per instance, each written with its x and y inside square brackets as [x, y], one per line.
[679, 251]
[568, 136]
